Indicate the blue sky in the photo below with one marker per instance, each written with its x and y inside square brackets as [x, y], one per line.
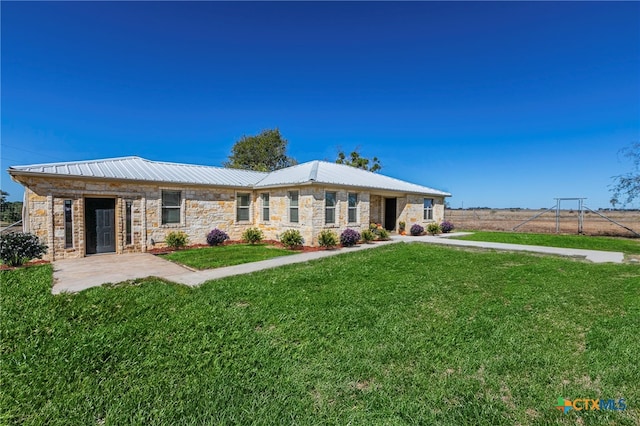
[503, 104]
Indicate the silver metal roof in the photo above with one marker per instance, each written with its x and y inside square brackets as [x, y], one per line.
[341, 175]
[136, 168]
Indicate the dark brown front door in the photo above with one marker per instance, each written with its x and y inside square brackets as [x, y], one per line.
[100, 225]
[390, 214]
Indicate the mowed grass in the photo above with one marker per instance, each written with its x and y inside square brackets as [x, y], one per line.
[625, 245]
[228, 255]
[399, 334]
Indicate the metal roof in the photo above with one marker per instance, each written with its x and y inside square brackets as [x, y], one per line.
[341, 175]
[136, 168]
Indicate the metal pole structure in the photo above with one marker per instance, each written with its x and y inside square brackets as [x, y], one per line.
[580, 215]
[557, 215]
[613, 221]
[532, 218]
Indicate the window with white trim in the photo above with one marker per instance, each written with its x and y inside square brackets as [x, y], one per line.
[171, 206]
[242, 206]
[428, 209]
[330, 207]
[353, 207]
[265, 206]
[293, 206]
[68, 223]
[129, 222]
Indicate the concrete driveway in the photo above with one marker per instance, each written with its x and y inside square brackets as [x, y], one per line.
[72, 275]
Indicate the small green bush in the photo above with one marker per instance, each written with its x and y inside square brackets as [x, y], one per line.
[433, 228]
[368, 235]
[291, 238]
[328, 239]
[252, 235]
[16, 248]
[383, 234]
[373, 226]
[176, 239]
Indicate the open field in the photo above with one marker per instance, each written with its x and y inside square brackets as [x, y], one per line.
[399, 334]
[506, 219]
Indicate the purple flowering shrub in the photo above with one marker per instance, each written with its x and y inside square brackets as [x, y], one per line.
[416, 230]
[216, 237]
[446, 226]
[349, 237]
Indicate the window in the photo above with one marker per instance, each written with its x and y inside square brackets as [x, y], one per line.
[242, 207]
[171, 201]
[68, 224]
[428, 209]
[329, 207]
[293, 206]
[353, 207]
[129, 222]
[265, 207]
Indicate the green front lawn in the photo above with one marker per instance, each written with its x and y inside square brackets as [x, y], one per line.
[625, 245]
[228, 255]
[399, 334]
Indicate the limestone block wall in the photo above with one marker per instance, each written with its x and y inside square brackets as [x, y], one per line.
[202, 209]
[279, 205]
[342, 212]
[375, 208]
[413, 210]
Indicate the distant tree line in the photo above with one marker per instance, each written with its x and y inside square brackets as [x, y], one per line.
[10, 211]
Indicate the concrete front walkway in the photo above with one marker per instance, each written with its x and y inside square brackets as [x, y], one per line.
[74, 275]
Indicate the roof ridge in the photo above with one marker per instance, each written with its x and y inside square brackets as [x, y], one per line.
[205, 166]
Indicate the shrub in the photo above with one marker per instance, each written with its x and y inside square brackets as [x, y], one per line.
[447, 226]
[252, 235]
[291, 238]
[16, 248]
[368, 235]
[433, 228]
[373, 226]
[416, 230]
[383, 234]
[216, 237]
[349, 237]
[327, 239]
[402, 225]
[176, 239]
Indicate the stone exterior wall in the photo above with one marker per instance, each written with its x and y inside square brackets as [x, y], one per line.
[202, 209]
[413, 210]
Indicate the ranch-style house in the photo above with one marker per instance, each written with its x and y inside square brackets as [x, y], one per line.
[129, 204]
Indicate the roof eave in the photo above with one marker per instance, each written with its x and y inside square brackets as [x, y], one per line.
[15, 173]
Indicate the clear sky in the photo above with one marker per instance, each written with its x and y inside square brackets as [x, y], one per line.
[503, 104]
